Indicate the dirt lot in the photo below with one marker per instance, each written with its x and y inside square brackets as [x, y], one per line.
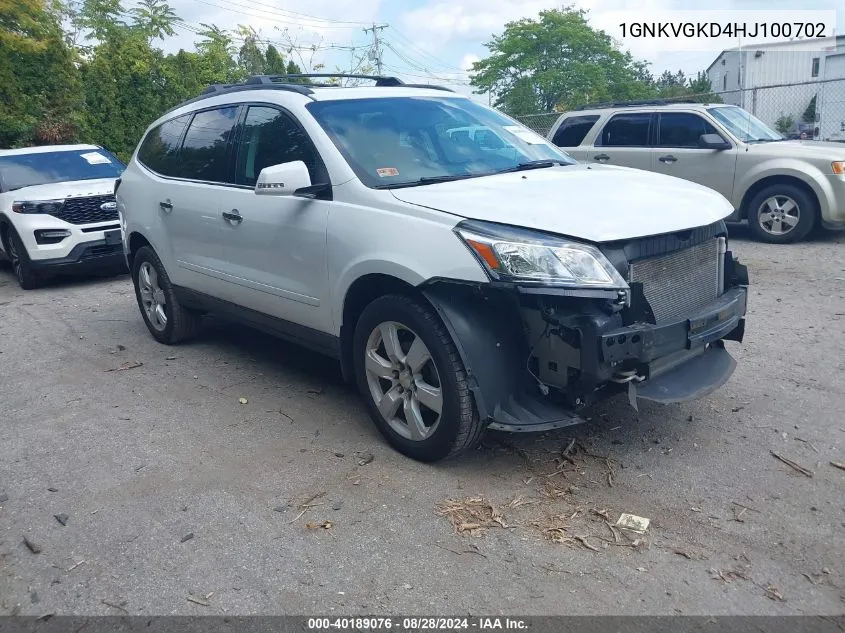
[141, 459]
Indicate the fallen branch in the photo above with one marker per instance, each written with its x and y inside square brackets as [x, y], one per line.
[795, 466]
[583, 541]
[838, 465]
[125, 366]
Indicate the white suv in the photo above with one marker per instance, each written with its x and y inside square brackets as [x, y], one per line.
[463, 281]
[57, 211]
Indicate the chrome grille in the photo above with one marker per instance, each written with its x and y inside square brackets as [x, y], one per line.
[87, 210]
[679, 283]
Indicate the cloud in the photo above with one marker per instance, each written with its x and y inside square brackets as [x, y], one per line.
[441, 22]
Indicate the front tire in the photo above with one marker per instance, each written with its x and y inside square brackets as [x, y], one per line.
[413, 380]
[781, 214]
[27, 276]
[167, 320]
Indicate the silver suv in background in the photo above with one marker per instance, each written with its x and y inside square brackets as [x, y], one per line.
[783, 188]
[466, 273]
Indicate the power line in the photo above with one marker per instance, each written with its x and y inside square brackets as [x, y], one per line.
[305, 15]
[273, 17]
[408, 43]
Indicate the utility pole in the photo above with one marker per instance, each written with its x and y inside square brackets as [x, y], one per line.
[375, 49]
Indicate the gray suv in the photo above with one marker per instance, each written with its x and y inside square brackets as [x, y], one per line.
[783, 188]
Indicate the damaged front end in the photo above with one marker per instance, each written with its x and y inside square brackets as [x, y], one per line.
[562, 325]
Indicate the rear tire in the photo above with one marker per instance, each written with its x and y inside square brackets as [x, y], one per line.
[27, 276]
[167, 320]
[782, 214]
[405, 381]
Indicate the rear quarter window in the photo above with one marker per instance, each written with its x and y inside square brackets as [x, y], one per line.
[573, 130]
[160, 148]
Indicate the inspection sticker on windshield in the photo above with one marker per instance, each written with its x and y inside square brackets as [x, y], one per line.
[525, 135]
[386, 172]
[95, 158]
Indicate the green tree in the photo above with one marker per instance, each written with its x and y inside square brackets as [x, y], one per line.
[40, 100]
[217, 50]
[785, 124]
[562, 58]
[809, 115]
[274, 63]
[101, 17]
[155, 18]
[124, 90]
[251, 57]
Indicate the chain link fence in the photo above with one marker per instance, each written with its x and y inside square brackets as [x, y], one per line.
[812, 110]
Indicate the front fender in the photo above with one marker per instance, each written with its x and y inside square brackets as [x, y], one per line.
[486, 327]
[811, 176]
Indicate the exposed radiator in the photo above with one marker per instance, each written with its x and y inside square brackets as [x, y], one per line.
[679, 283]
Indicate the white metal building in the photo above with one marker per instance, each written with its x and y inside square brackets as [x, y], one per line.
[772, 81]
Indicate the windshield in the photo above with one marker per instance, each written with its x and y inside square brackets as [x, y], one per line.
[404, 141]
[744, 125]
[43, 168]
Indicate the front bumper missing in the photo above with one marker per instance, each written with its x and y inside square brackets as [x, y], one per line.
[646, 342]
[674, 362]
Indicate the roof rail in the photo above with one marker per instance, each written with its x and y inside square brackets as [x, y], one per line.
[632, 104]
[276, 79]
[380, 81]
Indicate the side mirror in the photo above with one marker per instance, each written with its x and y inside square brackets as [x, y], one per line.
[712, 141]
[284, 179]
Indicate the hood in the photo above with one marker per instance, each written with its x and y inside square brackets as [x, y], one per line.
[592, 202]
[799, 149]
[71, 189]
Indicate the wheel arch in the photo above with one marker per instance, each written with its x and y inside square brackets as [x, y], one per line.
[361, 292]
[136, 241]
[4, 231]
[778, 179]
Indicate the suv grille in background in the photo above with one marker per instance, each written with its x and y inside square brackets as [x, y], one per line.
[679, 283]
[87, 210]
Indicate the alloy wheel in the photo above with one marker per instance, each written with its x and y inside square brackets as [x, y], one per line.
[778, 215]
[15, 257]
[152, 296]
[403, 381]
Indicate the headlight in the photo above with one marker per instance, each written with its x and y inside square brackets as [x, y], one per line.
[510, 254]
[49, 207]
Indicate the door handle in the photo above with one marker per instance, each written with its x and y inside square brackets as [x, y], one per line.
[601, 157]
[668, 159]
[233, 216]
[166, 206]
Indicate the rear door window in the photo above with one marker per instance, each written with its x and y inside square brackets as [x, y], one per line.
[205, 151]
[573, 130]
[627, 130]
[160, 147]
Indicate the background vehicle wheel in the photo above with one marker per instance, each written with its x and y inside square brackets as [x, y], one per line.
[168, 321]
[413, 381]
[28, 278]
[780, 214]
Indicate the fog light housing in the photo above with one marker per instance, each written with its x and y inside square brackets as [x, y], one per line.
[51, 236]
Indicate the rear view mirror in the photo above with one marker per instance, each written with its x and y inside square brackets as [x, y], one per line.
[284, 179]
[712, 141]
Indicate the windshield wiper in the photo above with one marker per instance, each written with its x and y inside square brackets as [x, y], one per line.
[428, 180]
[532, 164]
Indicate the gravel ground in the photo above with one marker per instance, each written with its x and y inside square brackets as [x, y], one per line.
[179, 499]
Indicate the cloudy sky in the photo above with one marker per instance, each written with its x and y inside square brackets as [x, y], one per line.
[434, 40]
